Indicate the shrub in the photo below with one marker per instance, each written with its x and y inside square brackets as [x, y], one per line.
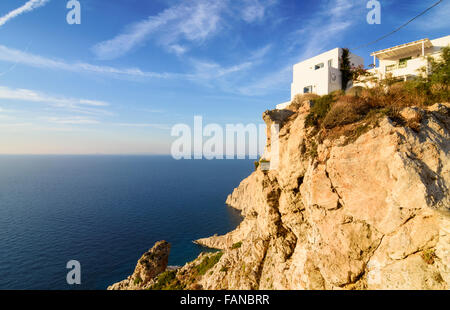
[137, 280]
[347, 110]
[237, 245]
[298, 100]
[355, 91]
[439, 79]
[208, 262]
[312, 150]
[429, 256]
[319, 110]
[167, 281]
[256, 163]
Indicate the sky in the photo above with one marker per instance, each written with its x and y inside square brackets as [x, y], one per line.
[119, 81]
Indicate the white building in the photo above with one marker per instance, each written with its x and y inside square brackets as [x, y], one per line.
[320, 74]
[404, 61]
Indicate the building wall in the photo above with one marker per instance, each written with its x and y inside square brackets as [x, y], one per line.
[323, 80]
[413, 65]
[440, 43]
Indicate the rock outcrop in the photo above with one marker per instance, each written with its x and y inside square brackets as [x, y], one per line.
[372, 213]
[365, 211]
[149, 266]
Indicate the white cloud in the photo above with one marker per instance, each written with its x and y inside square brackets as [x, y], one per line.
[27, 7]
[20, 57]
[73, 120]
[206, 70]
[255, 10]
[77, 105]
[15, 125]
[178, 49]
[178, 26]
[202, 69]
[145, 125]
[193, 21]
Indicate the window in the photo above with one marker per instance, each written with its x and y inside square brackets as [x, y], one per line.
[403, 63]
[307, 89]
[319, 66]
[330, 63]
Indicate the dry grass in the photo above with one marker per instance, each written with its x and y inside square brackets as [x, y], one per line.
[300, 98]
[353, 114]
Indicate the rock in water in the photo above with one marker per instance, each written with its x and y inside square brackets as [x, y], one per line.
[149, 266]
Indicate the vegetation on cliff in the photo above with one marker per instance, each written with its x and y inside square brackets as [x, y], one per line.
[354, 112]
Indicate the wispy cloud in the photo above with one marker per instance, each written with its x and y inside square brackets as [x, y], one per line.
[145, 125]
[27, 7]
[73, 120]
[21, 57]
[15, 125]
[255, 10]
[180, 26]
[205, 70]
[201, 69]
[33, 127]
[77, 105]
[193, 21]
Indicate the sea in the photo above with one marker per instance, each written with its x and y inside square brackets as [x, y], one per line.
[105, 212]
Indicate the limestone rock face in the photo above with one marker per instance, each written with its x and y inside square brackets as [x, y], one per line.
[373, 213]
[149, 266]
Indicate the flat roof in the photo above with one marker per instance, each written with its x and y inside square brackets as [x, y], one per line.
[402, 49]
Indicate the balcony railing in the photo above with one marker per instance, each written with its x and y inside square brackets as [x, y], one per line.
[391, 68]
[396, 66]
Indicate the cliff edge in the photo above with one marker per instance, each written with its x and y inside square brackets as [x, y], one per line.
[365, 206]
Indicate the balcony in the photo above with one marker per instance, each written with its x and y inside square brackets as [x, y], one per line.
[406, 66]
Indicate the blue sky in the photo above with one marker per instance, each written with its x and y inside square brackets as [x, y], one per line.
[118, 82]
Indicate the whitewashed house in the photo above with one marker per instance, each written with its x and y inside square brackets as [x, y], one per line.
[404, 61]
[320, 74]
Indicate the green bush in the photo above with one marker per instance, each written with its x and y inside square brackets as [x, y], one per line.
[319, 110]
[167, 281]
[237, 245]
[137, 280]
[207, 263]
[439, 79]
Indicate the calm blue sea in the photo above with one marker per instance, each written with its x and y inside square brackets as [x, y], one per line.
[105, 212]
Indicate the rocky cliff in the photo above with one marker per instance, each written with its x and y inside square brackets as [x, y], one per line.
[366, 208]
